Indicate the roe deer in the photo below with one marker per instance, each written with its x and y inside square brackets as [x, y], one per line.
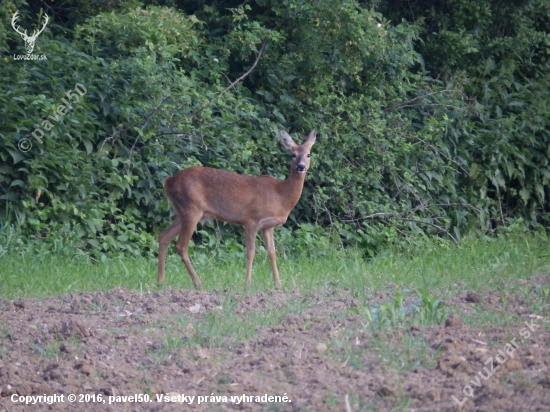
[257, 203]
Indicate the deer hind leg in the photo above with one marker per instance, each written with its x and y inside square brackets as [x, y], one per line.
[189, 220]
[250, 236]
[270, 246]
[164, 240]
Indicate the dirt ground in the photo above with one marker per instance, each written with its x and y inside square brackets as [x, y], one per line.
[321, 358]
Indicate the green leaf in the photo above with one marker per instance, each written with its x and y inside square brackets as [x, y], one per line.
[525, 194]
[89, 146]
[540, 191]
[475, 169]
[16, 155]
[17, 182]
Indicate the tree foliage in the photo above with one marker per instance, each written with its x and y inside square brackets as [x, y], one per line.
[433, 117]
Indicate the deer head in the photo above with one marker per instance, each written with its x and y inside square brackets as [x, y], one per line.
[29, 40]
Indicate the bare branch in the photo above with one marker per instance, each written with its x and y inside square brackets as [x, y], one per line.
[441, 153]
[49, 8]
[448, 106]
[424, 206]
[408, 102]
[233, 84]
[389, 215]
[440, 228]
[164, 98]
[374, 215]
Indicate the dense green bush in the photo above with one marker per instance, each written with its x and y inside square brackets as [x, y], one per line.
[433, 123]
[502, 51]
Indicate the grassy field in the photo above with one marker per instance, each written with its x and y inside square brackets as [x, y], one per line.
[423, 277]
[476, 263]
[380, 320]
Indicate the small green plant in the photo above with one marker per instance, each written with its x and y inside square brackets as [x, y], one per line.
[167, 350]
[503, 299]
[50, 351]
[543, 293]
[7, 332]
[428, 309]
[542, 301]
[391, 313]
[224, 378]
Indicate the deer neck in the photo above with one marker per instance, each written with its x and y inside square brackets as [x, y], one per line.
[292, 187]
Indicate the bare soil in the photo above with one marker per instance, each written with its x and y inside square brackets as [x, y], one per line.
[322, 355]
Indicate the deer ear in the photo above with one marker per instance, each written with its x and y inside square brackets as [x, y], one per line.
[287, 140]
[311, 138]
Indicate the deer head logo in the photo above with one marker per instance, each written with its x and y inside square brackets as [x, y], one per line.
[29, 40]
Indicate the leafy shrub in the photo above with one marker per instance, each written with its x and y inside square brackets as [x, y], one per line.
[427, 127]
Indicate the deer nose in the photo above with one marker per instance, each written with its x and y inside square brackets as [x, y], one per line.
[301, 168]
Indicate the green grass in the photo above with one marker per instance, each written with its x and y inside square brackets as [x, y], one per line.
[475, 264]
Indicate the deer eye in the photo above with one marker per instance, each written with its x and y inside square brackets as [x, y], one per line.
[293, 156]
[308, 155]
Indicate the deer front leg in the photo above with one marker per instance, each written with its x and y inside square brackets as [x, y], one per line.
[250, 236]
[269, 242]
